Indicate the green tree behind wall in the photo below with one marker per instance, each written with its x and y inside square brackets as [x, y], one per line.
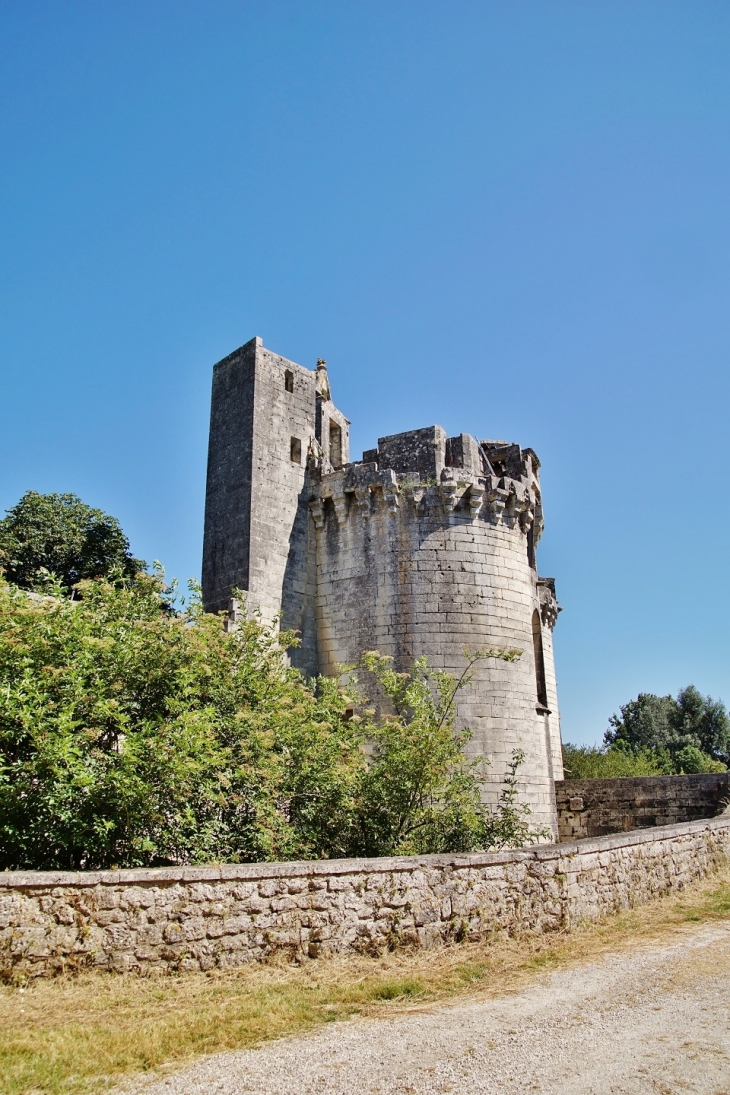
[657, 735]
[684, 728]
[60, 535]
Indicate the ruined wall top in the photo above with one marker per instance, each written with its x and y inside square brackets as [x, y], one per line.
[428, 452]
[495, 479]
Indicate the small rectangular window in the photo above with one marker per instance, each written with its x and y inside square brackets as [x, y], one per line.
[288, 381]
[335, 445]
[295, 450]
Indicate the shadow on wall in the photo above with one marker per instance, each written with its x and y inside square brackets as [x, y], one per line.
[298, 607]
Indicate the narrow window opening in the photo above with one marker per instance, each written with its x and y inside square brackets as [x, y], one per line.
[539, 660]
[335, 445]
[295, 450]
[288, 381]
[531, 546]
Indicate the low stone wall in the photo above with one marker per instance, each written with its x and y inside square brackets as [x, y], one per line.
[596, 807]
[202, 917]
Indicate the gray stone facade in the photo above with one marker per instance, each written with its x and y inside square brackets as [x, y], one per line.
[216, 917]
[426, 546]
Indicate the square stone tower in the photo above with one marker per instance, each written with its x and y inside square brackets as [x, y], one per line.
[272, 421]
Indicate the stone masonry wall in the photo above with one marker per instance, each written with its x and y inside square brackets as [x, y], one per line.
[205, 917]
[411, 566]
[228, 488]
[271, 429]
[594, 807]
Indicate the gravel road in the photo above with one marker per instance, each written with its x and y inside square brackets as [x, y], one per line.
[651, 1021]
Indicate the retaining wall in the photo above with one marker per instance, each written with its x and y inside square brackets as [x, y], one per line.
[205, 917]
[595, 807]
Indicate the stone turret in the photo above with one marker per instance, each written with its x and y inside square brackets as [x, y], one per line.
[427, 546]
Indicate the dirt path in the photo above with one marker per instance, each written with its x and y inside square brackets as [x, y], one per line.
[652, 1021]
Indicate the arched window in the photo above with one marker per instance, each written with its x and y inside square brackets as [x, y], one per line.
[539, 660]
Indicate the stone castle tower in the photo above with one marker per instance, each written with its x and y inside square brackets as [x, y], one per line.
[426, 546]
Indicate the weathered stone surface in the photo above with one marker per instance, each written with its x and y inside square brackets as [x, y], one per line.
[595, 807]
[210, 917]
[425, 547]
[272, 426]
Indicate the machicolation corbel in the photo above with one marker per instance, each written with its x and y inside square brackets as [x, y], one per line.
[391, 498]
[476, 497]
[496, 498]
[448, 490]
[527, 513]
[339, 501]
[549, 607]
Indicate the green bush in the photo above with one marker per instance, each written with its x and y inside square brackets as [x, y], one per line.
[690, 759]
[419, 792]
[590, 762]
[133, 734]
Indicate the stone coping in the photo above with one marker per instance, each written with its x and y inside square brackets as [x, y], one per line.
[697, 778]
[327, 867]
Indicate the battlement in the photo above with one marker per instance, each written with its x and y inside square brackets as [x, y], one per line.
[424, 469]
[428, 451]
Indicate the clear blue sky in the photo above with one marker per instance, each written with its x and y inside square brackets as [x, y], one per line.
[510, 218]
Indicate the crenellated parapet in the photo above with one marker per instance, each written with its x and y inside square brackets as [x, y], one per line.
[426, 472]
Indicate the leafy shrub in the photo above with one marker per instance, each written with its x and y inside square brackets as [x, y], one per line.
[132, 734]
[690, 759]
[419, 792]
[589, 762]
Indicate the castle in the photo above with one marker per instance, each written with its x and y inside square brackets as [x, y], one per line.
[426, 546]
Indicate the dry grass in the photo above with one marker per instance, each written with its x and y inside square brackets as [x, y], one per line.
[80, 1035]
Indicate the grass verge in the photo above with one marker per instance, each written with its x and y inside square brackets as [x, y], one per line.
[80, 1035]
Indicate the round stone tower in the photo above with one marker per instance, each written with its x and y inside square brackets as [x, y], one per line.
[427, 547]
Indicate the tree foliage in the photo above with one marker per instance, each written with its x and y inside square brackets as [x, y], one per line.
[58, 534]
[693, 730]
[134, 736]
[590, 762]
[657, 735]
[420, 793]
